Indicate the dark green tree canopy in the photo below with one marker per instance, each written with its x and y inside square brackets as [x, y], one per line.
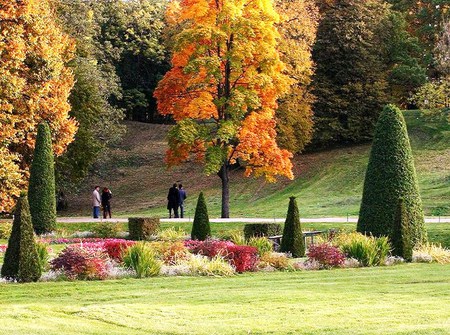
[390, 176]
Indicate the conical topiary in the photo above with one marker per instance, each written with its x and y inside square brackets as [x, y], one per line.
[401, 235]
[200, 227]
[292, 240]
[41, 191]
[21, 260]
[390, 176]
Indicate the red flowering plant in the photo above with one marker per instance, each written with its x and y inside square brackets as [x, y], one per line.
[80, 262]
[326, 255]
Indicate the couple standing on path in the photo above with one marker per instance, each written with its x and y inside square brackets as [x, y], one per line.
[175, 199]
[104, 201]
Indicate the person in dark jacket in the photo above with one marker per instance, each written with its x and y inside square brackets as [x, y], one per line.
[172, 201]
[182, 197]
[106, 202]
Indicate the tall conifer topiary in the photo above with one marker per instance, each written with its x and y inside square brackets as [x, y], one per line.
[390, 176]
[292, 240]
[41, 191]
[21, 260]
[200, 227]
[401, 234]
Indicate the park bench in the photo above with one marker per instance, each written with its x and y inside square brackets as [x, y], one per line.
[276, 239]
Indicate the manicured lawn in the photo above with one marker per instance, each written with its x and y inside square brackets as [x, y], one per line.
[404, 299]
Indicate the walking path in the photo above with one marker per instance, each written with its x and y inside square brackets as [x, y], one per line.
[244, 220]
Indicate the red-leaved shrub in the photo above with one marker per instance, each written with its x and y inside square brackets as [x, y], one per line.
[326, 255]
[115, 248]
[209, 248]
[78, 262]
[244, 258]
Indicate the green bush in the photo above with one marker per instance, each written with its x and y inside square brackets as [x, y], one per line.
[142, 228]
[41, 190]
[142, 259]
[107, 229]
[21, 260]
[401, 239]
[390, 176]
[261, 229]
[292, 240]
[201, 229]
[368, 250]
[5, 230]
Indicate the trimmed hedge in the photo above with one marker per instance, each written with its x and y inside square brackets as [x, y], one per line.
[142, 228]
[21, 260]
[401, 235]
[41, 190]
[390, 176]
[261, 229]
[292, 240]
[201, 229]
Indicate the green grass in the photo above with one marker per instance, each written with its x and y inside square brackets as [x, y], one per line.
[408, 299]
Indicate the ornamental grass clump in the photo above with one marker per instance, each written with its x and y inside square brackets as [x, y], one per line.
[368, 250]
[204, 266]
[430, 252]
[143, 260]
[43, 255]
[172, 234]
[262, 244]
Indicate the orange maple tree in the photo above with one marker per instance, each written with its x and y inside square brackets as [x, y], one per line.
[223, 88]
[35, 84]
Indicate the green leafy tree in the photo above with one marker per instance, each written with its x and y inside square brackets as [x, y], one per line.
[294, 116]
[96, 87]
[351, 75]
[41, 190]
[21, 260]
[292, 240]
[390, 176]
[201, 229]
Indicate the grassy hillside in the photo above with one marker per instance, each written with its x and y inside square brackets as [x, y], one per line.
[327, 183]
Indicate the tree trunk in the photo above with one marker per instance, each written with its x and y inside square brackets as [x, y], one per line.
[223, 174]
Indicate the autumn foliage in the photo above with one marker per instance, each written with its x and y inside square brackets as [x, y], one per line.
[224, 84]
[35, 85]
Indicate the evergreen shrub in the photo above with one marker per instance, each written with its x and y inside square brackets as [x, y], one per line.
[390, 176]
[21, 260]
[142, 228]
[292, 240]
[401, 235]
[41, 190]
[201, 229]
[261, 229]
[107, 229]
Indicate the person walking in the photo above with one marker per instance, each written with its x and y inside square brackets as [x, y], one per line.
[96, 202]
[172, 201]
[182, 197]
[106, 202]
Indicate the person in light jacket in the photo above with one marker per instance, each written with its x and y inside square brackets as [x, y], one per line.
[96, 202]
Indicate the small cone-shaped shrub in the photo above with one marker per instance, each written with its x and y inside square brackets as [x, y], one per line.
[21, 261]
[41, 191]
[200, 227]
[401, 235]
[292, 240]
[390, 176]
